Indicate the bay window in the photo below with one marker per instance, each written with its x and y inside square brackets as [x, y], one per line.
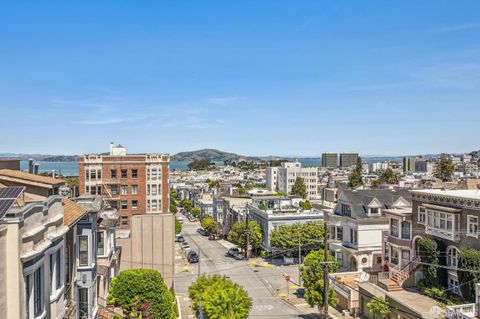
[394, 227]
[472, 226]
[100, 243]
[83, 250]
[34, 284]
[405, 230]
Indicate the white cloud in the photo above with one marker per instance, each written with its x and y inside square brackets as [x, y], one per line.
[455, 28]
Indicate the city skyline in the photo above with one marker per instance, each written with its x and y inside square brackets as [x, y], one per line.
[269, 78]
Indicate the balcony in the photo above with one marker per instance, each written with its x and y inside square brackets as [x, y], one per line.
[442, 233]
[466, 311]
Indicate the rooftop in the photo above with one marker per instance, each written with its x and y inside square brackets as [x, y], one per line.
[72, 212]
[464, 193]
[9, 174]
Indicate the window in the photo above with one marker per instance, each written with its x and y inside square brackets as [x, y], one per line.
[421, 215]
[134, 173]
[394, 227]
[124, 189]
[99, 174]
[124, 220]
[339, 233]
[148, 189]
[134, 204]
[453, 285]
[379, 259]
[154, 204]
[83, 303]
[406, 255]
[153, 174]
[83, 250]
[353, 236]
[154, 189]
[395, 255]
[441, 220]
[114, 204]
[452, 257]
[100, 243]
[58, 269]
[124, 204]
[113, 173]
[93, 174]
[472, 226]
[34, 293]
[148, 204]
[405, 230]
[375, 211]
[134, 189]
[345, 209]
[114, 189]
[124, 173]
[148, 174]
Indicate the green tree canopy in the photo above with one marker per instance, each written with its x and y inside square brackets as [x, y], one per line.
[355, 178]
[141, 293]
[379, 307]
[238, 235]
[310, 235]
[428, 250]
[209, 224]
[387, 177]
[213, 183]
[220, 298]
[469, 259]
[203, 164]
[178, 226]
[299, 188]
[313, 279]
[444, 169]
[195, 212]
[173, 207]
[305, 205]
[186, 204]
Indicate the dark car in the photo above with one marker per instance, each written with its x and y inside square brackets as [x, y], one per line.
[233, 251]
[179, 239]
[239, 256]
[202, 232]
[192, 257]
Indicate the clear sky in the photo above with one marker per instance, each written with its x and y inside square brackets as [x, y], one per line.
[252, 77]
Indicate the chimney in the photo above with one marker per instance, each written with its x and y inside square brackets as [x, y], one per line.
[30, 166]
[111, 148]
[35, 168]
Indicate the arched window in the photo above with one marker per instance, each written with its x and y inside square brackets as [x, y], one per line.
[452, 256]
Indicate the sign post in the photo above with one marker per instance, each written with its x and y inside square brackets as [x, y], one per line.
[287, 279]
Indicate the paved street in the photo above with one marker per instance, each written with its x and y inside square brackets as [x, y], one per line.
[261, 282]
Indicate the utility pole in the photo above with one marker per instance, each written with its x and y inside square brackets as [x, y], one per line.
[247, 233]
[198, 264]
[299, 260]
[325, 265]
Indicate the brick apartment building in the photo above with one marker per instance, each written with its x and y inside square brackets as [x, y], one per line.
[132, 183]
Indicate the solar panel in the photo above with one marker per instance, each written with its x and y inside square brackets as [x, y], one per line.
[5, 205]
[12, 192]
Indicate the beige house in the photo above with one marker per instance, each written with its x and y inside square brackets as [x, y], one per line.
[32, 256]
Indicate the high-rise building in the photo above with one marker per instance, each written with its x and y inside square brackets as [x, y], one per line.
[330, 160]
[348, 159]
[271, 178]
[133, 184]
[408, 164]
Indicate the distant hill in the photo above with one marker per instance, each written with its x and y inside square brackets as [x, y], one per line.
[210, 154]
[40, 157]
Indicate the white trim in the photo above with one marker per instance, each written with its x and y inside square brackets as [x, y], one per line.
[469, 234]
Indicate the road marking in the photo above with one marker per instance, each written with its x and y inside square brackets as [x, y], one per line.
[263, 307]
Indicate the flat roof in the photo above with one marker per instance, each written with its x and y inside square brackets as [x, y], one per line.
[463, 193]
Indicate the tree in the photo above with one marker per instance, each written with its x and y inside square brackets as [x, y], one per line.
[209, 224]
[428, 254]
[238, 234]
[173, 207]
[387, 177]
[142, 293]
[305, 205]
[213, 183]
[444, 169]
[203, 164]
[286, 237]
[72, 183]
[186, 204]
[379, 306]
[195, 212]
[299, 188]
[219, 298]
[355, 178]
[469, 259]
[178, 226]
[313, 279]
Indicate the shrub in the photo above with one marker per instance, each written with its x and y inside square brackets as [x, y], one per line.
[429, 255]
[469, 259]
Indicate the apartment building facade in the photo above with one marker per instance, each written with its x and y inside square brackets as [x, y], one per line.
[330, 160]
[288, 173]
[348, 159]
[357, 224]
[451, 217]
[132, 184]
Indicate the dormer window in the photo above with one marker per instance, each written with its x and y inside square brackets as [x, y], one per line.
[375, 211]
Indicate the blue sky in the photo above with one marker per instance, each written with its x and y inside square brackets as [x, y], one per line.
[252, 77]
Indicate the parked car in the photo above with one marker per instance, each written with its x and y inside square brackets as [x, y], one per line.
[185, 244]
[192, 257]
[233, 251]
[180, 219]
[239, 256]
[212, 237]
[179, 239]
[202, 232]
